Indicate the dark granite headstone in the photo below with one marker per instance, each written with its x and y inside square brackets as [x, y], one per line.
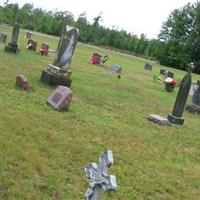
[3, 37]
[148, 66]
[13, 46]
[176, 116]
[22, 82]
[61, 98]
[32, 45]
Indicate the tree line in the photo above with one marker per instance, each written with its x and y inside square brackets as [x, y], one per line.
[177, 45]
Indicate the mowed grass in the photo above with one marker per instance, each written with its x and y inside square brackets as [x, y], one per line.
[43, 152]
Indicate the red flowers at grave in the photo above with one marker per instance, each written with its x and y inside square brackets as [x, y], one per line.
[93, 60]
[170, 81]
[173, 82]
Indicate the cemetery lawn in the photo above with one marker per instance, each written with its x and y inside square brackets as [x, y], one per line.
[43, 152]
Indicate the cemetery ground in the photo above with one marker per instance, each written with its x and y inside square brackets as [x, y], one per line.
[43, 152]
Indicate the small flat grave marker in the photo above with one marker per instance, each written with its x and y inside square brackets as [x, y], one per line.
[61, 98]
[115, 69]
[158, 119]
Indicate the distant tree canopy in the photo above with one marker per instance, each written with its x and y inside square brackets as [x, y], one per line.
[179, 39]
[177, 45]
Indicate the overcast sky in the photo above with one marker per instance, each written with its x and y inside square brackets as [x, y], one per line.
[135, 16]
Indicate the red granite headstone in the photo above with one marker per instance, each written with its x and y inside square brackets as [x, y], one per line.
[22, 82]
[61, 98]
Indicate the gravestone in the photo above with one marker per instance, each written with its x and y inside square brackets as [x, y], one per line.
[176, 116]
[167, 73]
[61, 98]
[148, 66]
[28, 35]
[100, 180]
[115, 69]
[22, 82]
[44, 50]
[58, 72]
[13, 46]
[193, 88]
[195, 106]
[32, 45]
[3, 37]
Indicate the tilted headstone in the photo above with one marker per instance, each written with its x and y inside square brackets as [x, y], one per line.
[100, 180]
[13, 46]
[22, 82]
[3, 37]
[61, 98]
[195, 106]
[66, 47]
[32, 45]
[148, 66]
[58, 71]
[176, 116]
[167, 73]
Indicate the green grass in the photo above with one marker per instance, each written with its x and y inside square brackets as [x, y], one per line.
[43, 152]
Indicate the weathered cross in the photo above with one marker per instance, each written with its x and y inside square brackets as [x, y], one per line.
[98, 176]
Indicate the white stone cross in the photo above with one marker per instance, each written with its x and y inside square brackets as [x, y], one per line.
[98, 176]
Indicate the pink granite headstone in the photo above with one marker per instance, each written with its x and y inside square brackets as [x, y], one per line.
[61, 98]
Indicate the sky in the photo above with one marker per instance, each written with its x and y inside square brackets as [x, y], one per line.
[134, 16]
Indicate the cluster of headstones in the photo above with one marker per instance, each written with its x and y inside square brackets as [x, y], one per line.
[99, 59]
[57, 73]
[169, 81]
[179, 106]
[32, 45]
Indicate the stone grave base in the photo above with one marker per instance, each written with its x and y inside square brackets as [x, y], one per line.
[12, 48]
[54, 79]
[192, 108]
[159, 119]
[175, 120]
